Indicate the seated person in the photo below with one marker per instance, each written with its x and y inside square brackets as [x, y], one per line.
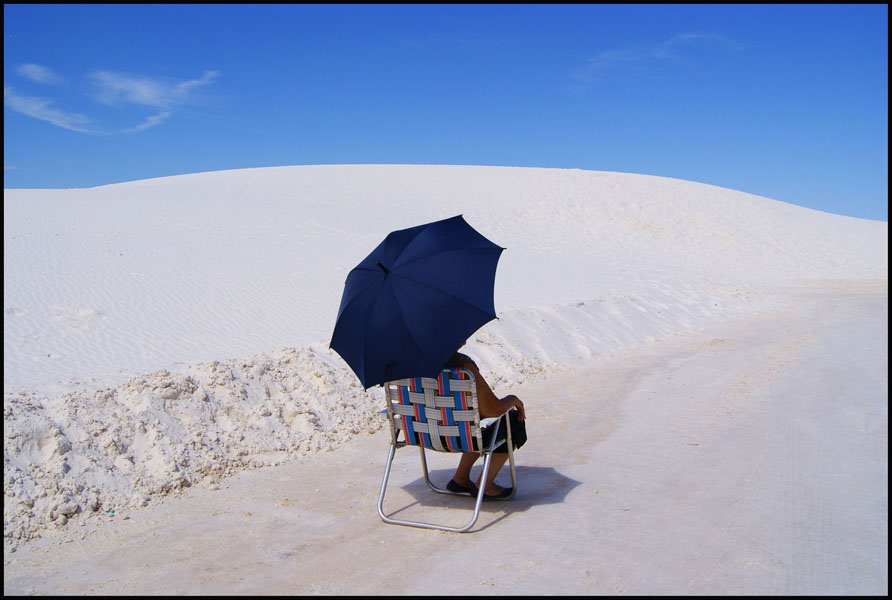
[490, 406]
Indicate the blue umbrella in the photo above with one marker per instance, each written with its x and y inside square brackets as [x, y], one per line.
[414, 300]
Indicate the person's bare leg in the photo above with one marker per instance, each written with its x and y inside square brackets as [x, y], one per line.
[463, 472]
[498, 460]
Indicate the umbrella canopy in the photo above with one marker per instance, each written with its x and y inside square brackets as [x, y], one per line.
[414, 300]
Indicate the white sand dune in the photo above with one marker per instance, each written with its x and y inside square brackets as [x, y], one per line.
[161, 336]
[114, 281]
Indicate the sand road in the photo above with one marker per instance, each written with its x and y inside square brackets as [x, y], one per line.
[749, 458]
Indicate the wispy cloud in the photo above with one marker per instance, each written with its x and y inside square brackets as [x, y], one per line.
[673, 50]
[117, 88]
[111, 89]
[43, 109]
[149, 122]
[39, 73]
[640, 123]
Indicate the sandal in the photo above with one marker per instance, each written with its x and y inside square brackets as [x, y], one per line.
[457, 488]
[500, 496]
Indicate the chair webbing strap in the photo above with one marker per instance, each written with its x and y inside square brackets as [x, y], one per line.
[439, 414]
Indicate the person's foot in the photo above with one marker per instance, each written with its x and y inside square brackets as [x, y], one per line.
[458, 488]
[505, 493]
[494, 491]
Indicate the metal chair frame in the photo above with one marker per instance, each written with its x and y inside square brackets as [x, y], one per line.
[468, 385]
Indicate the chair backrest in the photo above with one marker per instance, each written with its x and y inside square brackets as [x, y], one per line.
[439, 414]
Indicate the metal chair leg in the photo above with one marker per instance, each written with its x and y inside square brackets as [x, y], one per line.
[422, 524]
[487, 459]
[511, 464]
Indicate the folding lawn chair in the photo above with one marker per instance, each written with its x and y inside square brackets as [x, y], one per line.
[440, 414]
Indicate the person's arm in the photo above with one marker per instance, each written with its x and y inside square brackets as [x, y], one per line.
[490, 404]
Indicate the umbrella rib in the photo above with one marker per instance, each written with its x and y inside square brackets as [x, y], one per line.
[440, 291]
[426, 256]
[408, 329]
[357, 294]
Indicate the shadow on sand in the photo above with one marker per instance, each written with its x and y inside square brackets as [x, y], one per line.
[535, 486]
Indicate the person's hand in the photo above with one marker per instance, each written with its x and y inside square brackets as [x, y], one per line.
[519, 406]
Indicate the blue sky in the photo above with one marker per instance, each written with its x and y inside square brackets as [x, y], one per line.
[788, 102]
